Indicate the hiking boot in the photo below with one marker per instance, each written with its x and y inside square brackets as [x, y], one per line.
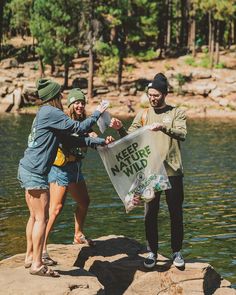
[178, 259]
[150, 261]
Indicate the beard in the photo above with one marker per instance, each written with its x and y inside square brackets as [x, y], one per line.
[156, 104]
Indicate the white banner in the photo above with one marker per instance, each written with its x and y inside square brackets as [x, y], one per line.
[134, 166]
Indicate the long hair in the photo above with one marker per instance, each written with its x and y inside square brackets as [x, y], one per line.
[55, 102]
[72, 114]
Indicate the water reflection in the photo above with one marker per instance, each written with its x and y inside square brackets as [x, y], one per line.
[210, 203]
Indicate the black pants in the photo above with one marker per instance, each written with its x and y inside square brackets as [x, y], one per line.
[174, 199]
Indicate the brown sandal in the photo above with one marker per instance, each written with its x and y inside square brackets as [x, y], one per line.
[27, 264]
[47, 260]
[83, 240]
[44, 271]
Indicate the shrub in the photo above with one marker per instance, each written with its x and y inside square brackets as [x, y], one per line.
[205, 62]
[105, 49]
[220, 65]
[190, 61]
[181, 81]
[147, 55]
[108, 67]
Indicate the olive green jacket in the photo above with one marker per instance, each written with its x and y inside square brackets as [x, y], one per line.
[167, 140]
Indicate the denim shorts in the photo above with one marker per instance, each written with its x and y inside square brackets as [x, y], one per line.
[64, 175]
[30, 180]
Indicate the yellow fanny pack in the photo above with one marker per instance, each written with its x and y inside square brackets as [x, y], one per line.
[61, 159]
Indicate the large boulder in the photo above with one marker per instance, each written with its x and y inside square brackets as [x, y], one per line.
[199, 88]
[9, 63]
[114, 267]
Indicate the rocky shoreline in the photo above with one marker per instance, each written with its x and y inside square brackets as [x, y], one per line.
[203, 93]
[113, 267]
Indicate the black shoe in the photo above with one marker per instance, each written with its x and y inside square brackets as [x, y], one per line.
[150, 261]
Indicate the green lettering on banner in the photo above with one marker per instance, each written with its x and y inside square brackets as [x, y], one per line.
[122, 165]
[119, 157]
[129, 171]
[135, 156]
[115, 170]
[127, 151]
[131, 160]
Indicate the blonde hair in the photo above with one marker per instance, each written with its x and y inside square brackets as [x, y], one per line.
[73, 115]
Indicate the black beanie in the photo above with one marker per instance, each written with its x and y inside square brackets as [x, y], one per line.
[159, 83]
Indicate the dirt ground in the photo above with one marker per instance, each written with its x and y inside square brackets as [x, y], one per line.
[195, 106]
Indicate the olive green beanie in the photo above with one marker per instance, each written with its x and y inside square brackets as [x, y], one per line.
[47, 89]
[75, 95]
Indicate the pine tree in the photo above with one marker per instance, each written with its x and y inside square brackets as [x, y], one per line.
[55, 25]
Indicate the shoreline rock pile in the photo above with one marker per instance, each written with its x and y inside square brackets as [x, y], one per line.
[114, 267]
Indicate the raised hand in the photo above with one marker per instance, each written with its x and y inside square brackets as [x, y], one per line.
[116, 124]
[103, 106]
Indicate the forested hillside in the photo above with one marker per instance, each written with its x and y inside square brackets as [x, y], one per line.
[109, 31]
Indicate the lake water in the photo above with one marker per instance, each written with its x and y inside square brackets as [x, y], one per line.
[209, 158]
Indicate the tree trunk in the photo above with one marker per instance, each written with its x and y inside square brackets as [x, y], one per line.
[120, 68]
[161, 26]
[210, 32]
[212, 44]
[2, 4]
[193, 33]
[91, 39]
[52, 67]
[183, 24]
[41, 67]
[222, 28]
[169, 18]
[234, 31]
[33, 48]
[217, 53]
[66, 71]
[189, 23]
[91, 73]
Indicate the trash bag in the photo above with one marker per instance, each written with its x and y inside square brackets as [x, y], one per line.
[134, 166]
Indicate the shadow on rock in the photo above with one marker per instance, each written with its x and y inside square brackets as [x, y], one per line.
[108, 248]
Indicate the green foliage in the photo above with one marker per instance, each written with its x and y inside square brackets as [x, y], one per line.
[205, 62]
[61, 27]
[181, 79]
[190, 61]
[147, 55]
[221, 9]
[108, 56]
[20, 14]
[108, 67]
[129, 68]
[55, 27]
[220, 65]
[105, 49]
[168, 67]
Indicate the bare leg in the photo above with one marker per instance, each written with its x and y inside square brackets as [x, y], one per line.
[57, 200]
[29, 230]
[79, 193]
[38, 204]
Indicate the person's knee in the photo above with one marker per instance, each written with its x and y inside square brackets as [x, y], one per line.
[40, 218]
[56, 210]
